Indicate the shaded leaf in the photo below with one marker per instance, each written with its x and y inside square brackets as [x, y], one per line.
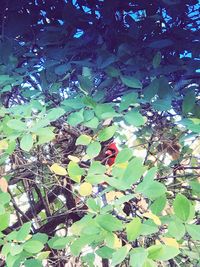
[131, 82]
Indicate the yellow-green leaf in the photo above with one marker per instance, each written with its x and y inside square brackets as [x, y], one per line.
[57, 169]
[85, 189]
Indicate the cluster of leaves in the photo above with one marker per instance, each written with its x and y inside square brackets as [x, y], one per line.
[74, 75]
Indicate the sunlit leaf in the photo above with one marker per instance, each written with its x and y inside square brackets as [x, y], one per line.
[17, 125]
[120, 255]
[107, 133]
[26, 143]
[33, 246]
[170, 242]
[138, 257]
[181, 207]
[85, 189]
[109, 222]
[162, 252]
[3, 144]
[134, 118]
[133, 229]
[57, 169]
[83, 140]
[74, 171]
[194, 231]
[93, 149]
[152, 216]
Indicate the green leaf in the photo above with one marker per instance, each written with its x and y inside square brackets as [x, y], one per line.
[78, 226]
[120, 255]
[23, 231]
[43, 255]
[83, 140]
[5, 249]
[75, 118]
[59, 242]
[91, 229]
[45, 135]
[134, 171]
[88, 115]
[89, 102]
[26, 143]
[149, 263]
[193, 125]
[93, 123]
[150, 188]
[91, 203]
[33, 263]
[78, 245]
[93, 149]
[4, 78]
[137, 257]
[165, 89]
[158, 205]
[96, 168]
[162, 104]
[133, 229]
[134, 118]
[193, 230]
[73, 104]
[105, 111]
[33, 246]
[17, 125]
[107, 133]
[131, 82]
[105, 252]
[62, 69]
[12, 236]
[55, 113]
[127, 100]
[156, 60]
[95, 178]
[75, 172]
[4, 219]
[16, 249]
[4, 198]
[149, 228]
[176, 229]
[89, 258]
[151, 90]
[162, 252]
[40, 237]
[195, 187]
[109, 222]
[86, 72]
[40, 124]
[124, 155]
[85, 83]
[112, 72]
[181, 207]
[189, 102]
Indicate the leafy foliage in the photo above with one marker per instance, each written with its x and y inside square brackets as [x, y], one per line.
[74, 76]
